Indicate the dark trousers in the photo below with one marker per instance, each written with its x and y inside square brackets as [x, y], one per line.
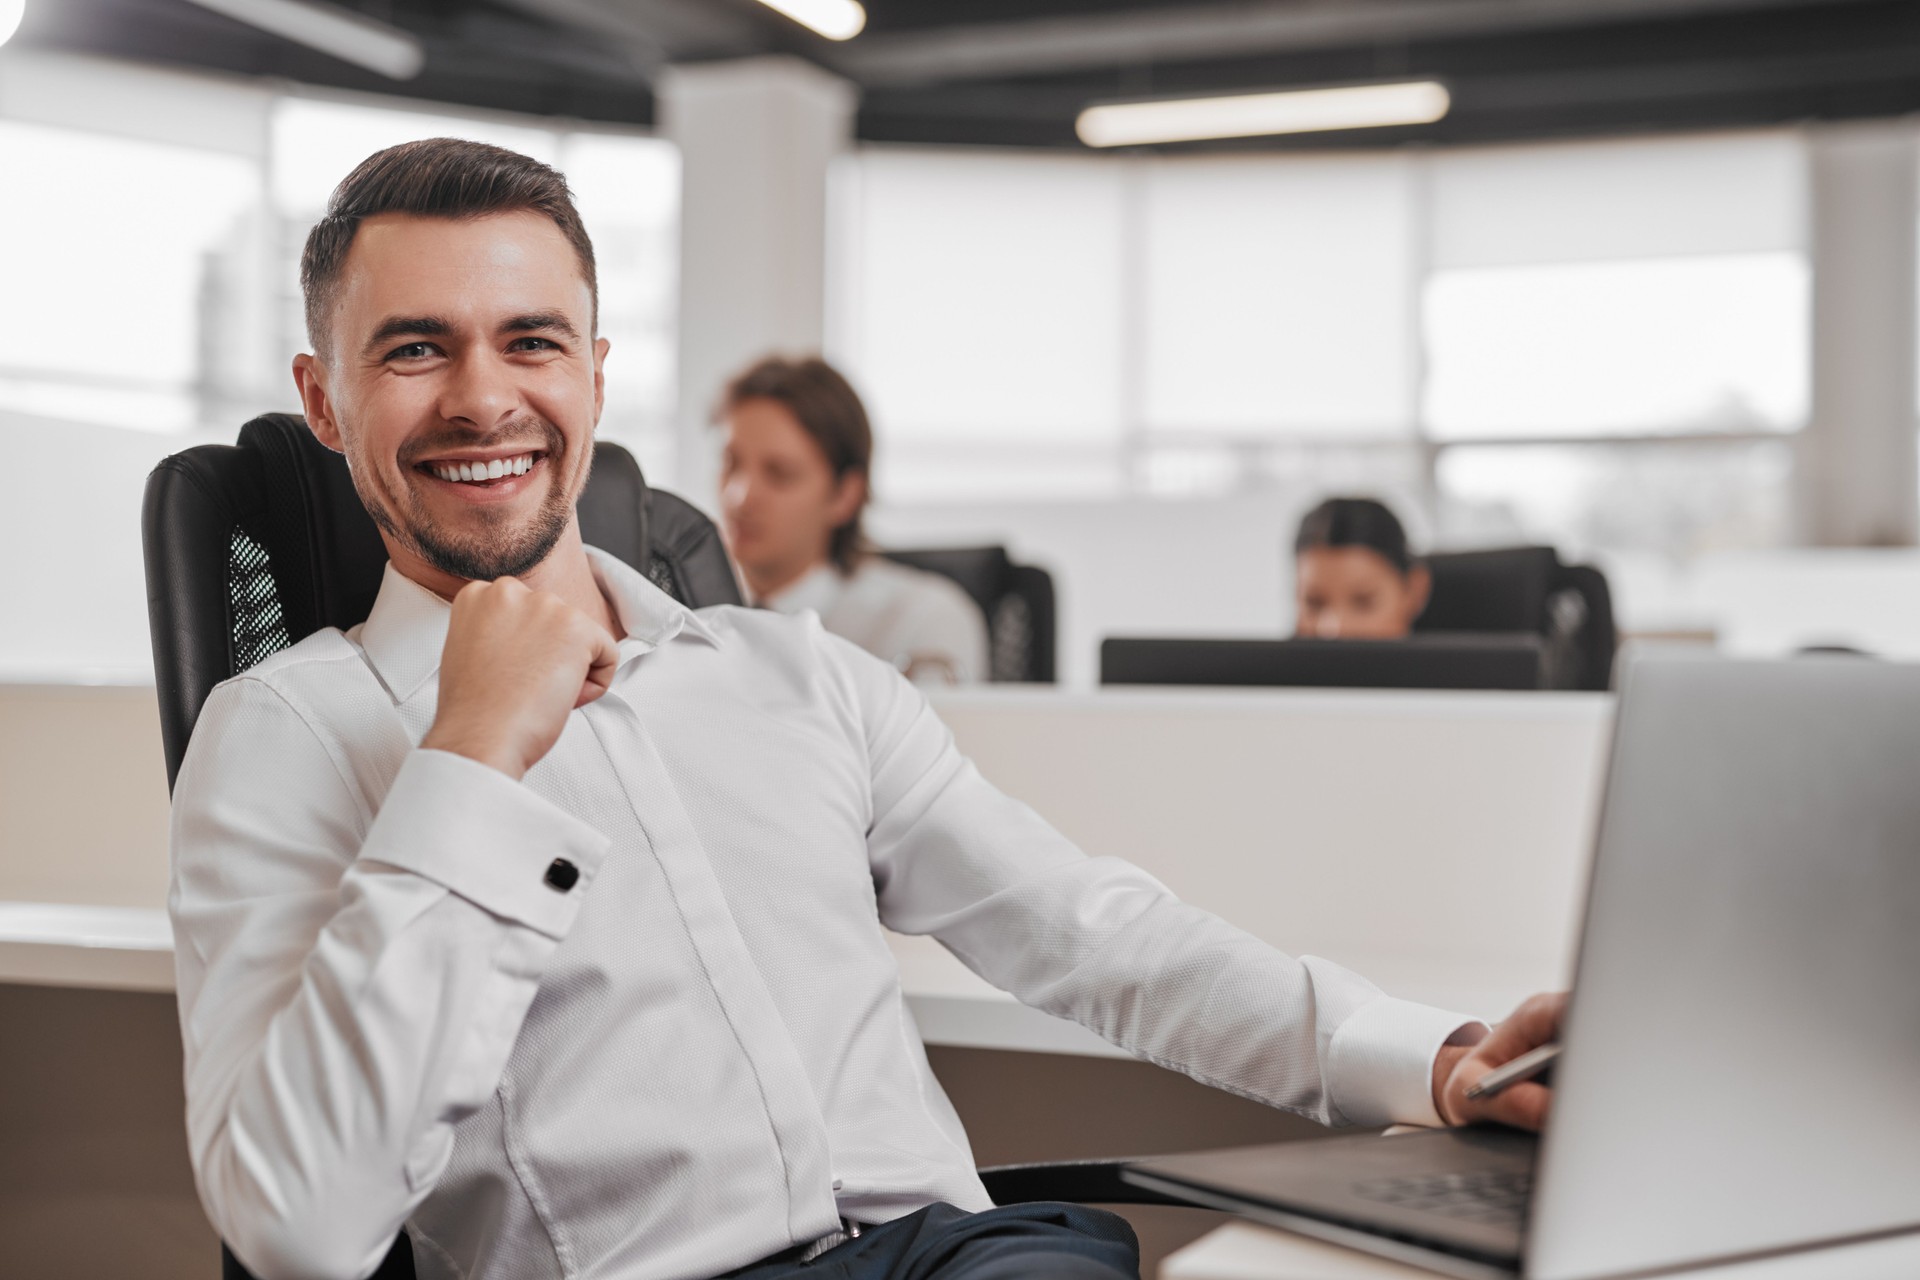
[940, 1242]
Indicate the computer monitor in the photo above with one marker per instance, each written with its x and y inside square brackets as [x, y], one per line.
[1433, 661]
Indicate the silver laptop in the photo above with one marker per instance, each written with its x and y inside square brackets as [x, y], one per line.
[1741, 1073]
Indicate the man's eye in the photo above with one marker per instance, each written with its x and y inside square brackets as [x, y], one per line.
[412, 351]
[535, 344]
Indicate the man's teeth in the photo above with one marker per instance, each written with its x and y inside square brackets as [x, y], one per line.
[484, 470]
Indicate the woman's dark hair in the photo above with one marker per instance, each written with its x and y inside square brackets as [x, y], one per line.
[1356, 522]
[826, 407]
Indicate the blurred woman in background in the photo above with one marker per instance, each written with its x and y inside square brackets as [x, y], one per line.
[1354, 577]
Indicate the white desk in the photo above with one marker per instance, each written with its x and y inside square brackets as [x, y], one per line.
[1246, 1251]
[103, 948]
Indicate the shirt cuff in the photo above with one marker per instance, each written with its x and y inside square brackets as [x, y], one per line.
[477, 832]
[1380, 1061]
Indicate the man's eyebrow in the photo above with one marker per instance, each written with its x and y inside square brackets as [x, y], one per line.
[534, 321]
[407, 327]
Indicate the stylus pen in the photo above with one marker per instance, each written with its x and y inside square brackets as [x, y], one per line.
[1525, 1067]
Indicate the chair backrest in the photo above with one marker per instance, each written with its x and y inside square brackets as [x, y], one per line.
[1016, 600]
[1528, 589]
[251, 547]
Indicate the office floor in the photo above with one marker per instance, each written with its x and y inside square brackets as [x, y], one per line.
[94, 1179]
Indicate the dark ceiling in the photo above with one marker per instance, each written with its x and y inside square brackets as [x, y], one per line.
[1017, 71]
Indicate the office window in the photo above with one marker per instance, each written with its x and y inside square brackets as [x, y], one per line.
[980, 297]
[1275, 297]
[1193, 325]
[160, 321]
[1670, 498]
[1666, 346]
[126, 291]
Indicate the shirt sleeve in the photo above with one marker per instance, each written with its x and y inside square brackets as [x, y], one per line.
[1099, 941]
[350, 982]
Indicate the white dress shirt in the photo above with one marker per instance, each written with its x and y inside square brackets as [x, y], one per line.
[699, 1054]
[922, 623]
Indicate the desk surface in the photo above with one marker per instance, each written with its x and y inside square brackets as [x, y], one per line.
[1246, 1251]
[131, 949]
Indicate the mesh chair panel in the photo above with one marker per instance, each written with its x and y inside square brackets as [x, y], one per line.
[661, 575]
[258, 626]
[1010, 634]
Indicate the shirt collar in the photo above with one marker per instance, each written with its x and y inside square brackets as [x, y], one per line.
[816, 589]
[407, 629]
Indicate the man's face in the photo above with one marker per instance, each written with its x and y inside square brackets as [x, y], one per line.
[779, 499]
[463, 383]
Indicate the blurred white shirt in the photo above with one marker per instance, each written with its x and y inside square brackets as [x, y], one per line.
[925, 625]
[697, 1053]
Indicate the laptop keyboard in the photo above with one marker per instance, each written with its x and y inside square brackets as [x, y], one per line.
[1496, 1198]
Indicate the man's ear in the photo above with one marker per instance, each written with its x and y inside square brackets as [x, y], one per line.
[849, 495]
[600, 348]
[310, 376]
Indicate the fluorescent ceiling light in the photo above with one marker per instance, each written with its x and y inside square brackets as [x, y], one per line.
[11, 11]
[1254, 115]
[834, 19]
[394, 53]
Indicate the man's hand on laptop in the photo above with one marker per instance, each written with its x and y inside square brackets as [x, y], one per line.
[516, 662]
[1524, 1105]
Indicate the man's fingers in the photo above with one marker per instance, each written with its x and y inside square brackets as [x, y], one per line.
[1524, 1106]
[600, 667]
[1534, 1023]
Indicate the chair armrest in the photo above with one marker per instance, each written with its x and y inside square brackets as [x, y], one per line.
[1071, 1181]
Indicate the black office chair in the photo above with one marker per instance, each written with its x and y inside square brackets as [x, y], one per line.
[1015, 599]
[1529, 589]
[253, 546]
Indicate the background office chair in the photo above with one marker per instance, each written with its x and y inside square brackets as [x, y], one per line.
[1529, 589]
[1015, 599]
[251, 547]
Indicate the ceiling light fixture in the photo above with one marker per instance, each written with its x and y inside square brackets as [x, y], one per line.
[1255, 115]
[11, 11]
[393, 53]
[834, 19]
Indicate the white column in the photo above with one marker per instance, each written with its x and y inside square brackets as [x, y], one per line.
[756, 138]
[1859, 471]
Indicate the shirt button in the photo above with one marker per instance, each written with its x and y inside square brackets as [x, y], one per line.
[562, 875]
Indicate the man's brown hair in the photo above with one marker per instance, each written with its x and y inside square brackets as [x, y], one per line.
[827, 409]
[434, 178]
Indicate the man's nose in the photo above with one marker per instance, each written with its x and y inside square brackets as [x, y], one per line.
[482, 392]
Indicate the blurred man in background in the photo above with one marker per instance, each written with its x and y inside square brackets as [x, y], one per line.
[794, 481]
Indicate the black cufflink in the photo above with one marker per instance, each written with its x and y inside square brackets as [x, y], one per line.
[562, 875]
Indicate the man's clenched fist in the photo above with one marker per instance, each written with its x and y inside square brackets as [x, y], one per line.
[517, 662]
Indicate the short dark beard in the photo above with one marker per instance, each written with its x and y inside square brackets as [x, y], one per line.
[513, 552]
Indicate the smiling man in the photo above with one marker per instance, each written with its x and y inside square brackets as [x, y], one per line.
[546, 917]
